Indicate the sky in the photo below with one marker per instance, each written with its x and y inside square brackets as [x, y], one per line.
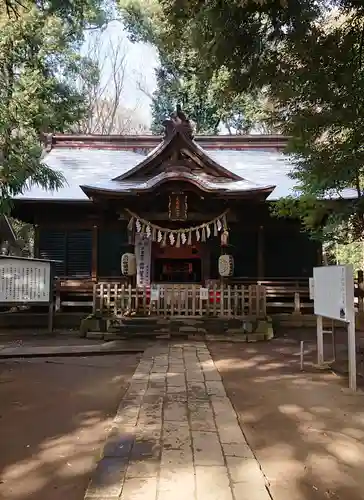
[140, 63]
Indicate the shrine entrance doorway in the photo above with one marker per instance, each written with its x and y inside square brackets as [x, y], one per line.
[177, 265]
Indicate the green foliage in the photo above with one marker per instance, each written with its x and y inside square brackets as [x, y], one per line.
[24, 233]
[181, 79]
[198, 105]
[236, 35]
[325, 220]
[39, 64]
[320, 104]
[309, 61]
[351, 253]
[79, 14]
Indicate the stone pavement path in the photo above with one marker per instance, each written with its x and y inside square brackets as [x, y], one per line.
[176, 435]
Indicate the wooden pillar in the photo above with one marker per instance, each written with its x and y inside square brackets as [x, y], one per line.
[319, 255]
[260, 265]
[36, 242]
[360, 278]
[94, 253]
[205, 262]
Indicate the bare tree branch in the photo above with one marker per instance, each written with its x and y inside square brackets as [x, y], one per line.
[106, 113]
[143, 87]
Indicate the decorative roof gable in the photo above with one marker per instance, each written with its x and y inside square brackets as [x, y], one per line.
[177, 150]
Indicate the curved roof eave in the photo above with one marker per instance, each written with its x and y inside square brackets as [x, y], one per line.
[190, 145]
[204, 187]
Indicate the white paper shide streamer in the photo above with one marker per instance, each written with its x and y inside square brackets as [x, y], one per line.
[178, 237]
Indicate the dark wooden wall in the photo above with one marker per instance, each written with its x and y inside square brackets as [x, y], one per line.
[73, 248]
[90, 241]
[289, 252]
[112, 243]
[281, 252]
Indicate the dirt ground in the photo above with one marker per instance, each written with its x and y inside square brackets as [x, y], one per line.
[306, 428]
[54, 414]
[20, 338]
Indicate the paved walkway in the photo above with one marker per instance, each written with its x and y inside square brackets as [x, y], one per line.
[176, 435]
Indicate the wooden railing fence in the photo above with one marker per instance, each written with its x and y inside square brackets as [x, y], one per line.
[290, 295]
[282, 296]
[180, 300]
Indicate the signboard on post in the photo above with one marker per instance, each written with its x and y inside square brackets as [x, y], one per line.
[23, 281]
[333, 293]
[27, 281]
[204, 293]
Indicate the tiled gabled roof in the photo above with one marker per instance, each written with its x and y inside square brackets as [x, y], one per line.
[82, 163]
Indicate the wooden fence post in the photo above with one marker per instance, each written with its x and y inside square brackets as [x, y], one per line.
[263, 301]
[58, 295]
[94, 298]
[297, 303]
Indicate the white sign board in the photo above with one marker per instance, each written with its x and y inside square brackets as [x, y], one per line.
[24, 281]
[334, 292]
[154, 292]
[204, 293]
[143, 251]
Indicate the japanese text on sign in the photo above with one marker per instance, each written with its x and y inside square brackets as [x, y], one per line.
[143, 246]
[24, 281]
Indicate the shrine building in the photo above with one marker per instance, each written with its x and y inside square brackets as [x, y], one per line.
[177, 202]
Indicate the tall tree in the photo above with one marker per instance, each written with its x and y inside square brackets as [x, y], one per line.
[39, 64]
[320, 96]
[180, 80]
[309, 59]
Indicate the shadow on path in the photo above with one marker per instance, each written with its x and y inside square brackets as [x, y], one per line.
[306, 428]
[54, 417]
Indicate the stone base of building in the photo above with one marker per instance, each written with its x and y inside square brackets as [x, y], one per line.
[239, 329]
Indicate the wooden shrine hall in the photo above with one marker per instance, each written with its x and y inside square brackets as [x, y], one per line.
[175, 202]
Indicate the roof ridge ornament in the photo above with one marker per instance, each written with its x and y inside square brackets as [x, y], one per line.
[178, 122]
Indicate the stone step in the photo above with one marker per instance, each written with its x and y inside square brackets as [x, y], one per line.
[187, 327]
[130, 327]
[108, 336]
[143, 320]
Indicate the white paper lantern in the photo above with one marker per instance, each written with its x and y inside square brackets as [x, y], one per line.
[128, 264]
[226, 265]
